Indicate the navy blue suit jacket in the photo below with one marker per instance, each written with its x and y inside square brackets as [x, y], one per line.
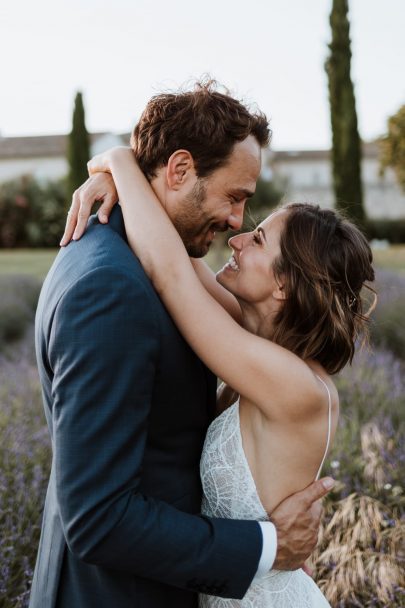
[127, 404]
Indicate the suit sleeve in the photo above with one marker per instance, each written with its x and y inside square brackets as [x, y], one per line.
[103, 350]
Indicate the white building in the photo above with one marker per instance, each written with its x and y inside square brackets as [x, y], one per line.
[44, 156]
[307, 176]
[303, 176]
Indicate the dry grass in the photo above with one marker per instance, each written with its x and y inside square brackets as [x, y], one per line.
[360, 556]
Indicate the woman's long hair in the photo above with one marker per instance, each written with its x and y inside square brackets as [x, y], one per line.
[324, 264]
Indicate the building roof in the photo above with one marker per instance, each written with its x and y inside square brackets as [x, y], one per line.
[56, 145]
[370, 150]
[41, 145]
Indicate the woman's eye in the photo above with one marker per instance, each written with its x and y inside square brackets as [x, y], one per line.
[257, 239]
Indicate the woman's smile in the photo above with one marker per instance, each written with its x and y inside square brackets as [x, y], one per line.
[232, 264]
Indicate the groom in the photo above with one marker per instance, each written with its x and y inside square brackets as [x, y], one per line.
[128, 403]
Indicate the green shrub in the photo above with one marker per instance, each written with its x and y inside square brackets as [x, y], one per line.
[268, 194]
[391, 230]
[32, 214]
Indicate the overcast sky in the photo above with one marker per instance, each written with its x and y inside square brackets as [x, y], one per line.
[121, 52]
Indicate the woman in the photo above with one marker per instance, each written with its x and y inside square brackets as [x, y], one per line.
[293, 320]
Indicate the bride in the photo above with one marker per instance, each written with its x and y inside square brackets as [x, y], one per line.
[296, 311]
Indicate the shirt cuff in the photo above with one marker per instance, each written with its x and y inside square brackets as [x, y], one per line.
[269, 549]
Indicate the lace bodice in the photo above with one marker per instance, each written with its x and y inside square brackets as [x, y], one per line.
[230, 492]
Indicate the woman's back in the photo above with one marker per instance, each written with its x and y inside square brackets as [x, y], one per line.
[230, 492]
[286, 455]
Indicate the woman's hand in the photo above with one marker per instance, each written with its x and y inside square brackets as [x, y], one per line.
[99, 187]
[101, 163]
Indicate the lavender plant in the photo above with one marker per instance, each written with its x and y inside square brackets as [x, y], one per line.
[19, 296]
[24, 469]
[360, 557]
[387, 327]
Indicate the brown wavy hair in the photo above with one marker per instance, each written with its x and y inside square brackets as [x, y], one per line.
[203, 121]
[325, 262]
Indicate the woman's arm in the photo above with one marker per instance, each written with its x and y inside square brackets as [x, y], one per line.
[101, 187]
[270, 376]
[219, 293]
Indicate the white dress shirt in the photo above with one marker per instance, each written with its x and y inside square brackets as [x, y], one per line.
[269, 548]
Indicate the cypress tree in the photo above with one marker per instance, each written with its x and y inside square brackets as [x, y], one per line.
[392, 146]
[78, 148]
[346, 146]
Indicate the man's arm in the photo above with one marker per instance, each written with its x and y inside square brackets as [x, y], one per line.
[103, 349]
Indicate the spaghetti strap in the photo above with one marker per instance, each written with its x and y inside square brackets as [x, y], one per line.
[329, 425]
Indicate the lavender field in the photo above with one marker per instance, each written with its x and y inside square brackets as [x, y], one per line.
[360, 557]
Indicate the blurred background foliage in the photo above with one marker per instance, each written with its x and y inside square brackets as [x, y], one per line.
[393, 146]
[32, 214]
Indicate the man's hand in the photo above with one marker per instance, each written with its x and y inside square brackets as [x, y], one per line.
[99, 187]
[297, 521]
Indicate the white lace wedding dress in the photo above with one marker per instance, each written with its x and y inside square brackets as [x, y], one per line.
[230, 492]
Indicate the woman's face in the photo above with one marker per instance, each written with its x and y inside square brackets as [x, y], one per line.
[249, 272]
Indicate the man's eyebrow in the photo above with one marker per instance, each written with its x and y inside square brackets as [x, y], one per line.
[260, 229]
[242, 193]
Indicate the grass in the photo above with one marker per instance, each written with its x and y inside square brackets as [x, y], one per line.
[35, 262]
[392, 258]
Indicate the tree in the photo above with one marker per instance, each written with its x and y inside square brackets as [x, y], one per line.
[267, 196]
[393, 146]
[346, 148]
[78, 148]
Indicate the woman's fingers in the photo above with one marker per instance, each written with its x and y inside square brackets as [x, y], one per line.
[99, 187]
[82, 217]
[104, 212]
[71, 220]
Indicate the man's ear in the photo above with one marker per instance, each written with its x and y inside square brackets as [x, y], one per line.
[180, 170]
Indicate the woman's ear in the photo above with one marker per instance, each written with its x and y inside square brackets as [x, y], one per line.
[279, 291]
[180, 170]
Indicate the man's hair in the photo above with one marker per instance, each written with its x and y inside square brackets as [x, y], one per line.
[203, 121]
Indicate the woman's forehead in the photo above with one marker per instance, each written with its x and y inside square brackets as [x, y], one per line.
[274, 220]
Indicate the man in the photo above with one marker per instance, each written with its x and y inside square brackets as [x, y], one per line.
[128, 403]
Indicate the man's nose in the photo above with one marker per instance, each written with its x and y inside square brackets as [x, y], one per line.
[235, 220]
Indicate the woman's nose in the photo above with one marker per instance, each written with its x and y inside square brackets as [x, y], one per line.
[236, 242]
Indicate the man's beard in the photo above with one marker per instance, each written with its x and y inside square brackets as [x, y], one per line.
[192, 223]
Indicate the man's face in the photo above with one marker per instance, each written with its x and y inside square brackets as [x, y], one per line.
[217, 202]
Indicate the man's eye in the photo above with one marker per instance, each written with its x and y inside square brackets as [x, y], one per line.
[257, 238]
